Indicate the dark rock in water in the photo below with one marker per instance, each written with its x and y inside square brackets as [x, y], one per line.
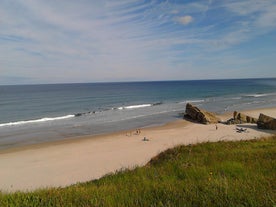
[199, 115]
[78, 114]
[156, 104]
[266, 122]
[240, 118]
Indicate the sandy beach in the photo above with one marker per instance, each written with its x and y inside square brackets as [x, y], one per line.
[81, 159]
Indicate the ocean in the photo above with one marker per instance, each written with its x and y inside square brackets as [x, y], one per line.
[31, 114]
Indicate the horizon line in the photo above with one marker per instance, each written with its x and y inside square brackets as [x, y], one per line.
[134, 81]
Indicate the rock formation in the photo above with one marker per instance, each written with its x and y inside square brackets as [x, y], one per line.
[266, 122]
[240, 118]
[199, 115]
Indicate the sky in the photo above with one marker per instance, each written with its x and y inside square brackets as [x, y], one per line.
[69, 41]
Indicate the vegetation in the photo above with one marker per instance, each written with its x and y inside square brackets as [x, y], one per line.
[210, 174]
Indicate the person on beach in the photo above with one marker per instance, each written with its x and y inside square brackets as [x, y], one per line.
[216, 127]
[145, 139]
[138, 131]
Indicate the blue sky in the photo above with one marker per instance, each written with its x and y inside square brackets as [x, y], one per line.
[134, 40]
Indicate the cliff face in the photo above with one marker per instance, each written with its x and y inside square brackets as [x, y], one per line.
[199, 115]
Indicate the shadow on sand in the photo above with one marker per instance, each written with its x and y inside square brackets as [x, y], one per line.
[255, 127]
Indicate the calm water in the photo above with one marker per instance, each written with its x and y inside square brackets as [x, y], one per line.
[40, 113]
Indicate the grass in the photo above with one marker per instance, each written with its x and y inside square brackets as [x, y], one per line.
[210, 174]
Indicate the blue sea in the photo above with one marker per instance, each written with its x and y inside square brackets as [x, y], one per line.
[31, 114]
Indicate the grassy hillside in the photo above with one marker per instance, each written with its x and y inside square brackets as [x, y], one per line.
[210, 174]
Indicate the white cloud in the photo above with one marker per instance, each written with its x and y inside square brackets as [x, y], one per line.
[260, 13]
[268, 18]
[185, 20]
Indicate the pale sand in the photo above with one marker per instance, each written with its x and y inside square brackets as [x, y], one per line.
[67, 162]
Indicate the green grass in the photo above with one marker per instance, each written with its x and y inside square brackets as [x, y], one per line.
[210, 174]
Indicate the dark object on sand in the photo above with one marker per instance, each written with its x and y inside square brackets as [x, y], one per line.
[145, 139]
[266, 122]
[240, 130]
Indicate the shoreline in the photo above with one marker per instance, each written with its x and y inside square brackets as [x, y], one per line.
[223, 116]
[76, 139]
[80, 159]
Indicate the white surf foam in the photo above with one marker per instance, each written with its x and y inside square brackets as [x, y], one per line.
[134, 106]
[192, 101]
[257, 95]
[46, 119]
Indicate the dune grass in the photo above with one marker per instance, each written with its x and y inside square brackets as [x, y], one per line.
[211, 174]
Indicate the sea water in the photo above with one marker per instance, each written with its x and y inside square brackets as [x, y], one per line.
[32, 114]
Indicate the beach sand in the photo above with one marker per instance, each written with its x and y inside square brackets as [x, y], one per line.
[63, 163]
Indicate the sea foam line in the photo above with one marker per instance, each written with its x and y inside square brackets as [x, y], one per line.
[192, 101]
[46, 119]
[134, 106]
[257, 95]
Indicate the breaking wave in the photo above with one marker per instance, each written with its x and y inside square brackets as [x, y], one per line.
[134, 106]
[46, 119]
[193, 101]
[257, 95]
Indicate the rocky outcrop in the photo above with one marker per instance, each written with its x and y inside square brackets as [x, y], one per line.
[266, 122]
[244, 118]
[199, 115]
[240, 118]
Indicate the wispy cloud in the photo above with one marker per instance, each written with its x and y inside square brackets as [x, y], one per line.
[77, 41]
[185, 19]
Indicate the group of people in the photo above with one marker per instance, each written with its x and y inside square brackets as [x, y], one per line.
[137, 132]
